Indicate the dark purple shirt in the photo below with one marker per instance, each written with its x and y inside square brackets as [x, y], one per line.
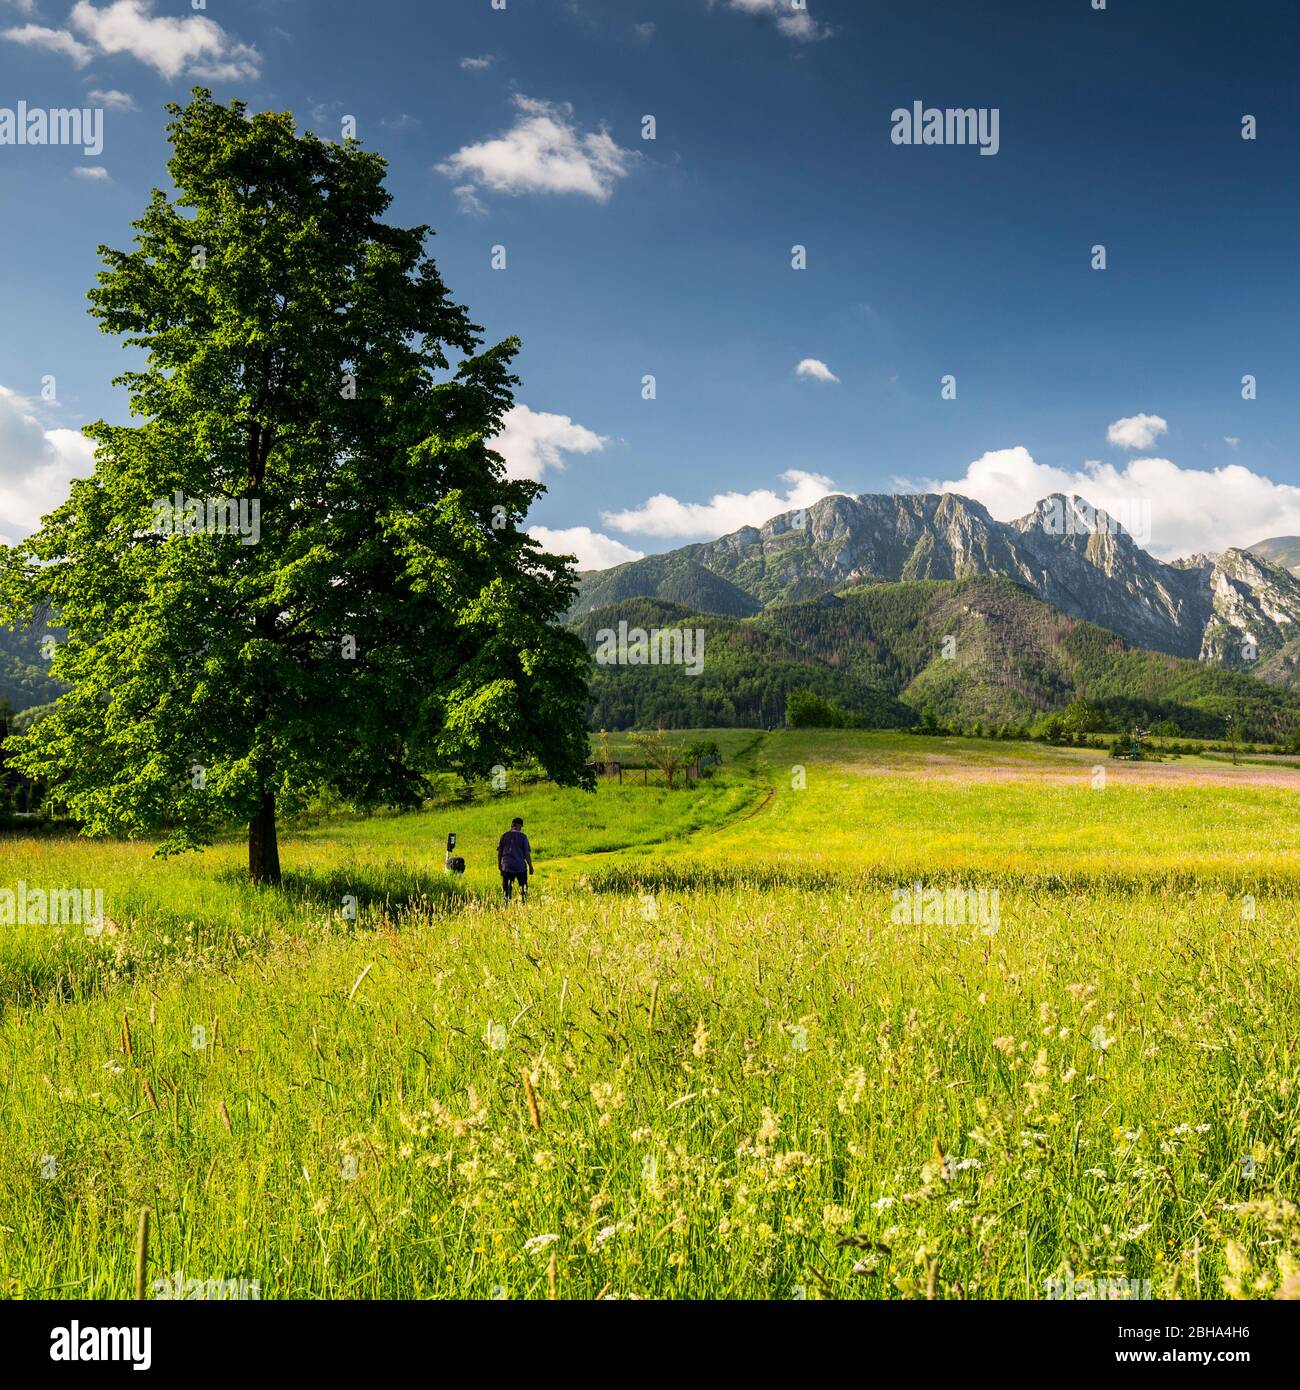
[514, 853]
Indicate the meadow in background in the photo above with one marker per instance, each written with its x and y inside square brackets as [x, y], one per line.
[707, 1060]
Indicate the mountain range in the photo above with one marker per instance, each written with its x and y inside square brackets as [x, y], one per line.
[1239, 609]
[892, 604]
[969, 652]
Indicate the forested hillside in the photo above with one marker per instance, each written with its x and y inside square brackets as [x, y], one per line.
[748, 671]
[968, 651]
[24, 674]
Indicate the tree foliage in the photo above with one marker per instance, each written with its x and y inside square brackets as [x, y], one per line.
[806, 710]
[661, 750]
[393, 617]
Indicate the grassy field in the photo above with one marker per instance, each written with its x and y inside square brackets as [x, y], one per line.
[713, 1056]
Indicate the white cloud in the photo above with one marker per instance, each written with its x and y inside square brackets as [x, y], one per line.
[662, 515]
[55, 40]
[543, 152]
[113, 99]
[793, 23]
[36, 464]
[594, 551]
[194, 45]
[531, 441]
[1232, 440]
[478, 64]
[818, 370]
[95, 172]
[1192, 510]
[1136, 431]
[469, 200]
[646, 30]
[23, 6]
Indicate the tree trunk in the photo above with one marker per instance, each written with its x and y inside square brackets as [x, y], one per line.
[263, 848]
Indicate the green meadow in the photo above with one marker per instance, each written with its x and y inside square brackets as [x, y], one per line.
[717, 1055]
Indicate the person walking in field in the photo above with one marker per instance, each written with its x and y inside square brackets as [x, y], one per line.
[515, 859]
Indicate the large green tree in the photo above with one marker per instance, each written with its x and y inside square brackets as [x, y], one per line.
[392, 618]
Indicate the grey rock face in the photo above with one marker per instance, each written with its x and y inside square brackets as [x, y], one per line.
[1235, 608]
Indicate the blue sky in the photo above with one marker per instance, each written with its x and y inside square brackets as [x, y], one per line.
[522, 127]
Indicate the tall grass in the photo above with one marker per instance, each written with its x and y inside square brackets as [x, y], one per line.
[678, 1073]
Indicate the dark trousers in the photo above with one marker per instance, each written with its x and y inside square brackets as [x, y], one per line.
[507, 879]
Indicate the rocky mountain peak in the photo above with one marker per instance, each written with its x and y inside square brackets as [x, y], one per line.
[1066, 551]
